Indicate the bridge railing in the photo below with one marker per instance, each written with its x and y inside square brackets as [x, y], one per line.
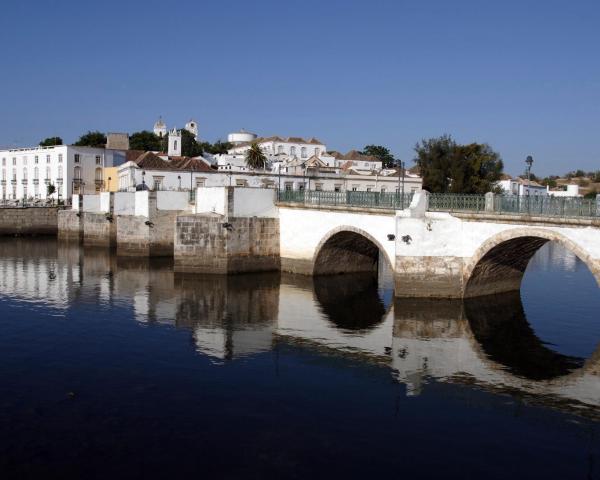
[546, 206]
[384, 200]
[456, 202]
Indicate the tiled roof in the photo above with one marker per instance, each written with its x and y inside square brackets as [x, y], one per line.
[151, 161]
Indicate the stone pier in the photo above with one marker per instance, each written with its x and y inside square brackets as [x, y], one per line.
[99, 227]
[235, 230]
[70, 224]
[150, 231]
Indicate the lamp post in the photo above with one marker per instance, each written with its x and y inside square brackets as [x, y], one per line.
[401, 185]
[179, 179]
[529, 162]
[108, 185]
[143, 179]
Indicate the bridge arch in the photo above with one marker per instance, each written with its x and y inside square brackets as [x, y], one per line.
[499, 264]
[347, 249]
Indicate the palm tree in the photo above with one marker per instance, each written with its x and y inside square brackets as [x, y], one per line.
[255, 158]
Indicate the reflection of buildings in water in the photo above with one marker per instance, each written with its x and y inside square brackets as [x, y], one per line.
[231, 316]
[482, 341]
[30, 270]
[553, 254]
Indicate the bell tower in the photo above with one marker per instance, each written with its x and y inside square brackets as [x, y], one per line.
[174, 143]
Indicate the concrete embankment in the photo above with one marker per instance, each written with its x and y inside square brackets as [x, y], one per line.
[29, 220]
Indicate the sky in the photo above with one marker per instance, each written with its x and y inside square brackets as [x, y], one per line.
[521, 75]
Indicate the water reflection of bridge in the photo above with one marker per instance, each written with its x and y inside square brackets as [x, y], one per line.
[486, 342]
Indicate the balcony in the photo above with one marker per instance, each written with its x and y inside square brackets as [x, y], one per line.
[24, 181]
[13, 181]
[36, 181]
[2, 182]
[47, 181]
[59, 181]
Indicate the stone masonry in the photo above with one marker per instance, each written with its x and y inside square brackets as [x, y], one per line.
[29, 221]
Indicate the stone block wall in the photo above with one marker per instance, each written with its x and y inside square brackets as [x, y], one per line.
[70, 225]
[99, 230]
[29, 221]
[211, 244]
[139, 236]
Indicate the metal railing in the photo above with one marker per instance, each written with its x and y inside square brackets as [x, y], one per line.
[384, 200]
[456, 202]
[546, 206]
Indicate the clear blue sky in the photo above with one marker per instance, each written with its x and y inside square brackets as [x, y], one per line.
[521, 75]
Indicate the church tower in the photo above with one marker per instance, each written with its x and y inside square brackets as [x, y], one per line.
[160, 129]
[192, 127]
[174, 143]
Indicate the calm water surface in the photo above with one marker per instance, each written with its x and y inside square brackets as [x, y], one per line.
[122, 369]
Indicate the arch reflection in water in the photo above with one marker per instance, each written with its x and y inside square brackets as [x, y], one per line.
[487, 342]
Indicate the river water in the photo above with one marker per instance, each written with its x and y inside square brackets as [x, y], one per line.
[114, 368]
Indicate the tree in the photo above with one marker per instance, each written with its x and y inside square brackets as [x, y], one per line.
[255, 158]
[382, 153]
[145, 140]
[189, 146]
[434, 158]
[591, 194]
[51, 142]
[217, 147]
[91, 139]
[448, 167]
[50, 189]
[549, 182]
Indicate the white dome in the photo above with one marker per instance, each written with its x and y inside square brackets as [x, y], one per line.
[241, 137]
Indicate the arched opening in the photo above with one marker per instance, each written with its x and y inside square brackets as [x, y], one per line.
[500, 263]
[348, 251]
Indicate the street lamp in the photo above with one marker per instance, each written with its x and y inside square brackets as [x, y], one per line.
[179, 179]
[401, 185]
[108, 186]
[529, 162]
[143, 179]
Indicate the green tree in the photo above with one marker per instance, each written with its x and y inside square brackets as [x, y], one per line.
[446, 166]
[382, 153]
[51, 142]
[255, 158]
[189, 146]
[145, 140]
[217, 147]
[91, 139]
[591, 194]
[549, 181]
[50, 189]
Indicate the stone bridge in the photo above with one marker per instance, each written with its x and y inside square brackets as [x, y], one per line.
[432, 254]
[437, 254]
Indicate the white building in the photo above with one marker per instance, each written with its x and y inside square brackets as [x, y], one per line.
[290, 146]
[28, 172]
[520, 186]
[571, 191]
[160, 128]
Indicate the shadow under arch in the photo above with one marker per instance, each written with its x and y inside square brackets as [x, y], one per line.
[351, 303]
[348, 249]
[500, 327]
[499, 263]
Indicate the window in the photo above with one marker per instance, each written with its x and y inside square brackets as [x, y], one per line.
[317, 152]
[59, 157]
[47, 158]
[303, 152]
[98, 160]
[14, 177]
[289, 186]
[98, 175]
[200, 182]
[382, 189]
[318, 187]
[77, 173]
[158, 183]
[60, 174]
[25, 174]
[175, 145]
[337, 187]
[280, 149]
[301, 187]
[25, 160]
[241, 183]
[36, 159]
[14, 160]
[369, 189]
[77, 158]
[36, 173]
[293, 151]
[355, 188]
[47, 173]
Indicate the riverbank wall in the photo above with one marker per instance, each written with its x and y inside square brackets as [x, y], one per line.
[29, 220]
